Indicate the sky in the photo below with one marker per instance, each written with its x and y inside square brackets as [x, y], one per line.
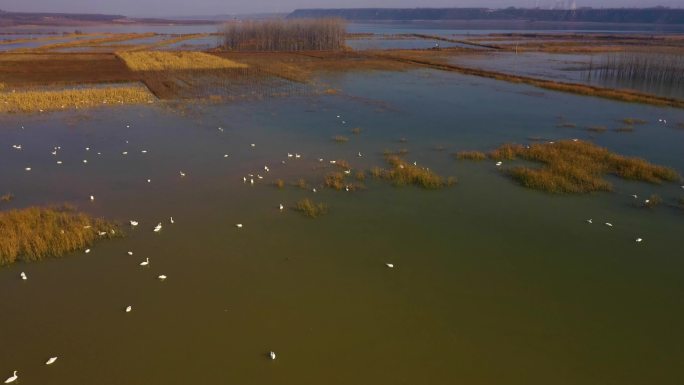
[160, 8]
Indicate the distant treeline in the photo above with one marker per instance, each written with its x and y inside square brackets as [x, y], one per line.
[29, 18]
[622, 15]
[285, 35]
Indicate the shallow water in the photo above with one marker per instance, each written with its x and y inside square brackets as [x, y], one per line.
[491, 280]
[574, 68]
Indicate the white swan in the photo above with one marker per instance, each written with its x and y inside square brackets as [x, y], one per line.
[590, 221]
[498, 164]
[87, 251]
[171, 220]
[239, 225]
[272, 355]
[23, 276]
[158, 227]
[162, 277]
[182, 174]
[51, 361]
[13, 378]
[145, 262]
[129, 308]
[390, 265]
[609, 224]
[133, 223]
[92, 198]
[281, 207]
[639, 240]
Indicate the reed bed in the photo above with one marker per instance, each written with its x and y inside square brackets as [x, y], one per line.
[471, 155]
[643, 67]
[356, 130]
[181, 60]
[285, 35]
[337, 181]
[39, 101]
[310, 208]
[340, 139]
[402, 173]
[578, 167]
[164, 43]
[597, 129]
[279, 183]
[36, 233]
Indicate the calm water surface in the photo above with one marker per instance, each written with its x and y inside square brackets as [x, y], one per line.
[493, 283]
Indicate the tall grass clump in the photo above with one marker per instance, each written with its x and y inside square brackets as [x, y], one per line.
[402, 173]
[471, 155]
[311, 209]
[36, 233]
[285, 35]
[578, 167]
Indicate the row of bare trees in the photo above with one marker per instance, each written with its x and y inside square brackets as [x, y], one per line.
[285, 35]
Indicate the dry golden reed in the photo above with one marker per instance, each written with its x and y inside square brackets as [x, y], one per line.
[178, 61]
[40, 232]
[34, 101]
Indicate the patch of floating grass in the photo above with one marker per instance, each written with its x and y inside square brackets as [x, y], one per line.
[175, 60]
[310, 208]
[335, 180]
[652, 201]
[340, 139]
[301, 183]
[566, 125]
[279, 183]
[343, 164]
[360, 175]
[471, 155]
[34, 101]
[6, 197]
[36, 233]
[598, 129]
[633, 121]
[356, 130]
[578, 167]
[403, 173]
[624, 129]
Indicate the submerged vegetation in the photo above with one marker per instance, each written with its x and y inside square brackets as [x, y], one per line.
[643, 67]
[340, 139]
[285, 35]
[39, 101]
[179, 60]
[36, 233]
[311, 209]
[571, 166]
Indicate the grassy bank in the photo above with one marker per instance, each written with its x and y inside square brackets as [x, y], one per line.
[577, 167]
[402, 173]
[39, 101]
[36, 233]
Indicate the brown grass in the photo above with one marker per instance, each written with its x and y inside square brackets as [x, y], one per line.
[356, 130]
[177, 60]
[112, 38]
[279, 183]
[633, 121]
[403, 173]
[285, 35]
[340, 139]
[471, 155]
[36, 233]
[311, 209]
[35, 101]
[578, 167]
[624, 129]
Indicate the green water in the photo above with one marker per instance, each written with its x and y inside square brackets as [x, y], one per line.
[492, 284]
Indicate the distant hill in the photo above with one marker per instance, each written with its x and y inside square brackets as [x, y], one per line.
[657, 15]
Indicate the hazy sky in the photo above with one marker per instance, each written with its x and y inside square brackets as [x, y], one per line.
[211, 7]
